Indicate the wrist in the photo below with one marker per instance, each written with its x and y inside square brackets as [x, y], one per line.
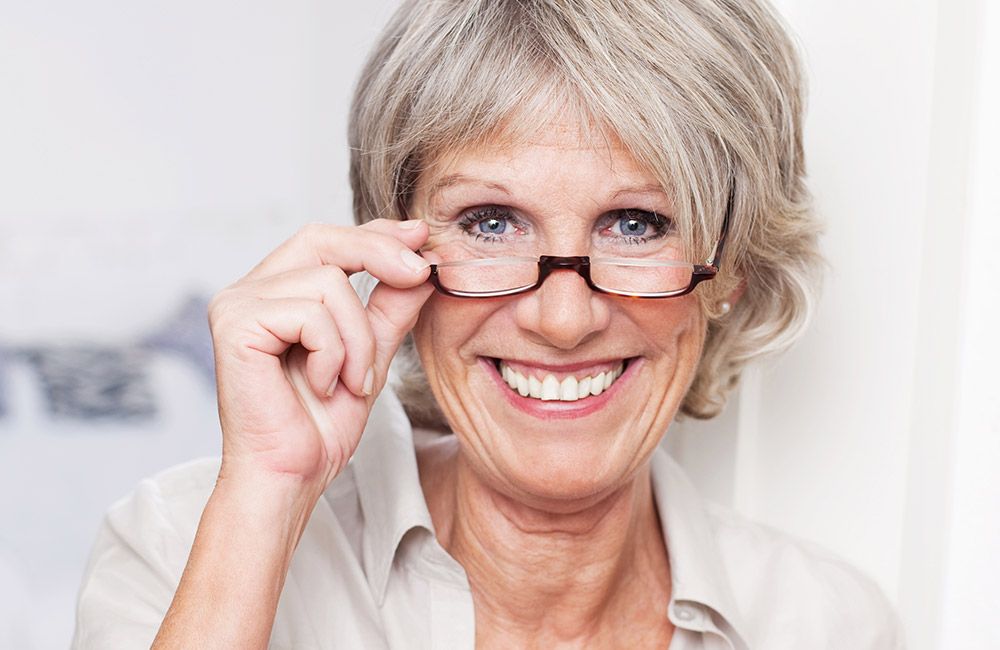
[265, 503]
[237, 566]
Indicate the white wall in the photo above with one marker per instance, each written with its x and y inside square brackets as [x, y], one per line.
[876, 436]
[150, 152]
[970, 594]
[832, 435]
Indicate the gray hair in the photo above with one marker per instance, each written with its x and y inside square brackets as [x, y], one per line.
[706, 94]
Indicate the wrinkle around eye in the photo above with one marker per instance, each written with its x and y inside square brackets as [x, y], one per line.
[451, 200]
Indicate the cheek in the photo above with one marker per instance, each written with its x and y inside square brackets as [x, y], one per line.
[669, 326]
[447, 328]
[425, 340]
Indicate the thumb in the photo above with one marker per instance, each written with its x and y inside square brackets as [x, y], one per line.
[392, 313]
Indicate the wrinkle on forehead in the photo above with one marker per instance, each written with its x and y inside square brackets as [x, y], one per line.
[478, 171]
[506, 145]
[550, 118]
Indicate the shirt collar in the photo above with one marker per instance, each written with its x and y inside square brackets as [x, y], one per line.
[697, 571]
[388, 484]
[392, 502]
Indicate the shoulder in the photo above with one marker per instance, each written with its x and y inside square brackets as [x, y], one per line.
[167, 507]
[788, 589]
[138, 557]
[143, 545]
[163, 511]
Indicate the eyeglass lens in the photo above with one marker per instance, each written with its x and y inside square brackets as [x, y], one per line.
[622, 276]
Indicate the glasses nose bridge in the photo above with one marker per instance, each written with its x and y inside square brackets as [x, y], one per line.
[579, 264]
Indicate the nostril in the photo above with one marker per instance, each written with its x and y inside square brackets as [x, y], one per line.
[563, 312]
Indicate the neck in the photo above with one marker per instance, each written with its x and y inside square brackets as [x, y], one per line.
[571, 575]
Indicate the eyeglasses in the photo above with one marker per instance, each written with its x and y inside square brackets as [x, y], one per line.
[636, 278]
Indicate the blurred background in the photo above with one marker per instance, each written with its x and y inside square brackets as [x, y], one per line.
[151, 153]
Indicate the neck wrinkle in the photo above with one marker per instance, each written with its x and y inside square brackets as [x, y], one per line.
[562, 576]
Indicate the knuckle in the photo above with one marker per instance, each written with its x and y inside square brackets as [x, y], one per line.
[219, 307]
[230, 319]
[335, 354]
[318, 318]
[385, 318]
[318, 313]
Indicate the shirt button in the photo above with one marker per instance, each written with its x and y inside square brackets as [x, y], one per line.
[684, 613]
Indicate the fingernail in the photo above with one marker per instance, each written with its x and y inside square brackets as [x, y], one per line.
[333, 386]
[414, 261]
[369, 382]
[410, 224]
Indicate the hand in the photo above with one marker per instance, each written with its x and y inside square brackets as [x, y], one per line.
[299, 360]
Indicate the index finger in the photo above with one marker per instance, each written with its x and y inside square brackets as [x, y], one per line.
[384, 248]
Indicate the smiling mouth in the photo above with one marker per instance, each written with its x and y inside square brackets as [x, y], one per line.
[537, 383]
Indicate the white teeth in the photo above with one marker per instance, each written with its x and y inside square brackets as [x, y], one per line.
[597, 384]
[534, 387]
[522, 383]
[568, 390]
[550, 389]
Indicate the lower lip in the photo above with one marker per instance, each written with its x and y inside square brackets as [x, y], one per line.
[556, 409]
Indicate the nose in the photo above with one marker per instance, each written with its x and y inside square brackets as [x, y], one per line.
[563, 312]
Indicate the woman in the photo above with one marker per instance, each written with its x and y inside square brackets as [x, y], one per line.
[591, 216]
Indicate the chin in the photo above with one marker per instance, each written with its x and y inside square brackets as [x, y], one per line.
[541, 441]
[559, 468]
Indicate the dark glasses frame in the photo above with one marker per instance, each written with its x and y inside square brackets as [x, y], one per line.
[580, 264]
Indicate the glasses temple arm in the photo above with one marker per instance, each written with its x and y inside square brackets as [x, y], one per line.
[716, 260]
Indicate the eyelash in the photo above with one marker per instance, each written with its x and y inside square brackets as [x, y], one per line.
[663, 225]
[468, 221]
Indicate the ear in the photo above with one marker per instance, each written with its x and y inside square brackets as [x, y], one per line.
[726, 305]
[737, 293]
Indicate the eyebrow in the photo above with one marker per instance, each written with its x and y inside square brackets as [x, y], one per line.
[461, 179]
[650, 188]
[452, 180]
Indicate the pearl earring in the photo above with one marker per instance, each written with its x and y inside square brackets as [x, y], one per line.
[724, 307]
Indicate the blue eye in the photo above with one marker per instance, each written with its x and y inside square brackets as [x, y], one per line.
[489, 223]
[630, 226]
[493, 226]
[634, 226]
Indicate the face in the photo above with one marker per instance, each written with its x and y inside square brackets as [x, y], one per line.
[562, 194]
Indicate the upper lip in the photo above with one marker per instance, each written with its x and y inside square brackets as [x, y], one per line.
[563, 367]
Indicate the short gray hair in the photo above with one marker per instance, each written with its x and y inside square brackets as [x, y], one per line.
[706, 94]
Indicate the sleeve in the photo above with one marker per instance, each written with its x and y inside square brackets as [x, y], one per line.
[138, 558]
[875, 620]
[850, 607]
[796, 594]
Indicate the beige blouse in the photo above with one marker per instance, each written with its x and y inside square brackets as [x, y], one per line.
[369, 573]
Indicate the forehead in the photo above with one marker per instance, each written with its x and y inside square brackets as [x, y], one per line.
[564, 158]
